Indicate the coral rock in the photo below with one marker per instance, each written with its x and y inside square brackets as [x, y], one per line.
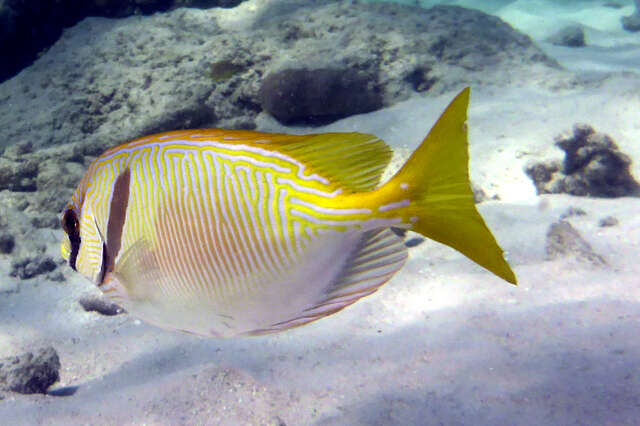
[593, 166]
[31, 266]
[30, 372]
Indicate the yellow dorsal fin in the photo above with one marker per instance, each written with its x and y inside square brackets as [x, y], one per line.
[352, 161]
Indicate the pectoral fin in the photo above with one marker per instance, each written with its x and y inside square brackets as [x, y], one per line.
[136, 275]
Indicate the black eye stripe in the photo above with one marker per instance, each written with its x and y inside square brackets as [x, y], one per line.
[71, 226]
[105, 264]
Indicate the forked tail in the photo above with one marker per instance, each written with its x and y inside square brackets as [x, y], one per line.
[436, 182]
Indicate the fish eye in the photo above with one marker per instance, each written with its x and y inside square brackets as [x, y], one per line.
[71, 226]
[70, 222]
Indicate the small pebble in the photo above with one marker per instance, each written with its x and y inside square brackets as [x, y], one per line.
[608, 221]
[413, 242]
[99, 305]
[56, 276]
[573, 211]
[7, 243]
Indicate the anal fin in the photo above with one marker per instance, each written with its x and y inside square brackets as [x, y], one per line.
[378, 256]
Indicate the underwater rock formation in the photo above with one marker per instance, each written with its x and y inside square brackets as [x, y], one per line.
[317, 96]
[570, 36]
[608, 221]
[31, 372]
[17, 175]
[593, 166]
[26, 267]
[563, 240]
[23, 247]
[108, 81]
[7, 242]
[632, 22]
[48, 175]
[27, 28]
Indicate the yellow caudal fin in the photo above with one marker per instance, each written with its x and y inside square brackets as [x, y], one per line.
[435, 180]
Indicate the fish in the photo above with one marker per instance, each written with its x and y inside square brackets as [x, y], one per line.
[225, 233]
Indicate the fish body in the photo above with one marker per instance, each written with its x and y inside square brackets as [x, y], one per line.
[224, 233]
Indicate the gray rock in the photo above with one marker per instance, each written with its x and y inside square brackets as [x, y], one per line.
[30, 372]
[317, 96]
[18, 175]
[479, 196]
[26, 267]
[45, 220]
[414, 242]
[7, 242]
[608, 221]
[563, 240]
[17, 151]
[570, 36]
[46, 177]
[54, 173]
[108, 81]
[49, 203]
[593, 166]
[99, 305]
[27, 256]
[631, 23]
[56, 276]
[573, 211]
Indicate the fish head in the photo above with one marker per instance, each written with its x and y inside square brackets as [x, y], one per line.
[82, 243]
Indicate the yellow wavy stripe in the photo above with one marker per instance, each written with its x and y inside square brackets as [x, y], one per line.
[218, 213]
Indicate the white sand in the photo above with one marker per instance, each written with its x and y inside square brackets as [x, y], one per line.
[443, 343]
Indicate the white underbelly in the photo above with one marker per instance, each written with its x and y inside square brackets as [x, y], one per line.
[271, 299]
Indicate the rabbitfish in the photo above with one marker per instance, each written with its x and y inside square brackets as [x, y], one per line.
[227, 232]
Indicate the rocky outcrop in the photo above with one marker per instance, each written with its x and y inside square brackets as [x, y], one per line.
[108, 81]
[47, 176]
[27, 28]
[26, 267]
[23, 244]
[632, 22]
[569, 36]
[593, 166]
